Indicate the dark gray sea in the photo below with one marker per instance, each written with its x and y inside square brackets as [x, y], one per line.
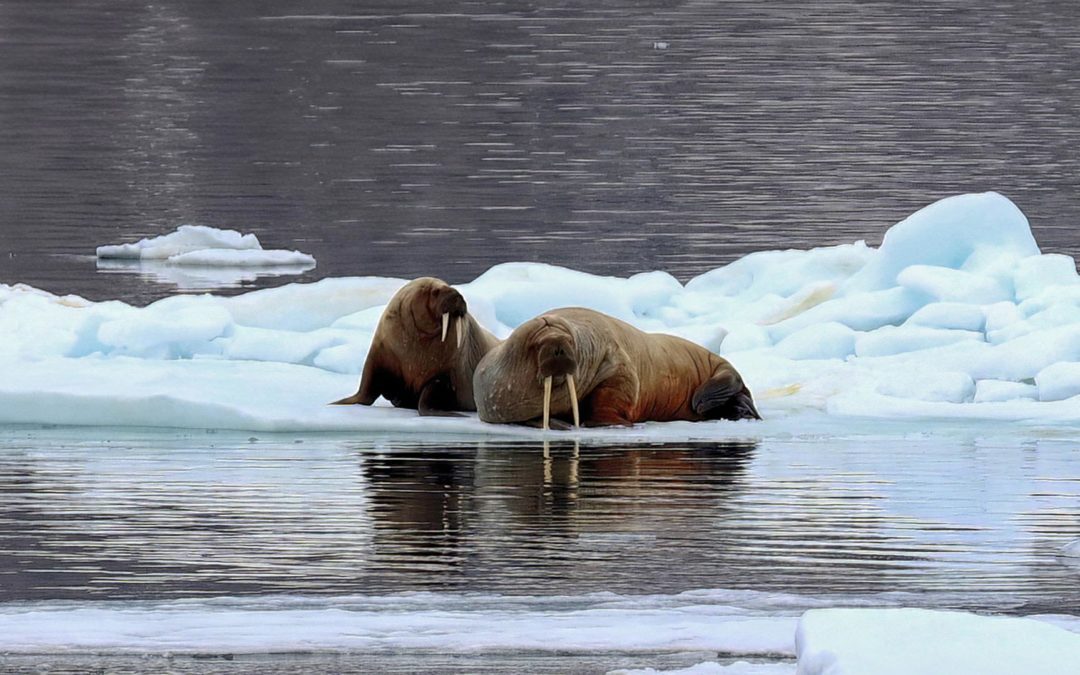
[410, 137]
[422, 137]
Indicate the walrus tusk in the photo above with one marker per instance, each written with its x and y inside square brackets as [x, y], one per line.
[460, 330]
[445, 324]
[547, 402]
[573, 400]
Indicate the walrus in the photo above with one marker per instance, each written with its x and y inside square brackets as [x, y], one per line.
[579, 364]
[412, 363]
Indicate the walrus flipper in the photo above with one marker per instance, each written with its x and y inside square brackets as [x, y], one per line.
[724, 396]
[437, 398]
[371, 386]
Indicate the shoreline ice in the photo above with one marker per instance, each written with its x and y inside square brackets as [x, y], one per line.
[956, 318]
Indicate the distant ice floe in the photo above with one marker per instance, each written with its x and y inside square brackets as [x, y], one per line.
[200, 257]
[957, 316]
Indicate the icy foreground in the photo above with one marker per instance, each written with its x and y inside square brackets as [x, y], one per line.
[956, 316]
[737, 624]
[908, 641]
[201, 246]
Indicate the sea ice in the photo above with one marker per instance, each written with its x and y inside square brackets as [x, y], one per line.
[921, 641]
[978, 326]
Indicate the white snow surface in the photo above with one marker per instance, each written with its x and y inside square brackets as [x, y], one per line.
[927, 642]
[202, 246]
[957, 316]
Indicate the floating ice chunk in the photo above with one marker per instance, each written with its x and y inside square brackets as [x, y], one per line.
[954, 315]
[1072, 549]
[949, 387]
[1059, 381]
[201, 246]
[185, 239]
[1061, 314]
[900, 339]
[946, 233]
[920, 641]
[948, 285]
[246, 258]
[990, 391]
[1024, 357]
[1035, 274]
[829, 340]
[999, 316]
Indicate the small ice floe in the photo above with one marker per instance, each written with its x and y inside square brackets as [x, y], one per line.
[660, 44]
[909, 641]
[200, 257]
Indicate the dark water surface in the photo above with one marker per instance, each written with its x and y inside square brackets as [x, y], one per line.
[408, 137]
[967, 524]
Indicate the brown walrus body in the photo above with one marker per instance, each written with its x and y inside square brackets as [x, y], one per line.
[619, 374]
[425, 350]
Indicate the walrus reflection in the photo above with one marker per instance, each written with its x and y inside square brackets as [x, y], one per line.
[437, 490]
[425, 350]
[419, 497]
[578, 365]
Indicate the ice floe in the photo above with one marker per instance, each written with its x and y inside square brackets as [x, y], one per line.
[198, 257]
[760, 633]
[910, 641]
[958, 315]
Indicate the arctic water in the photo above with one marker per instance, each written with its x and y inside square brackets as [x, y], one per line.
[408, 139]
[420, 137]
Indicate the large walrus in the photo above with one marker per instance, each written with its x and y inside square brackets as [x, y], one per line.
[603, 371]
[424, 352]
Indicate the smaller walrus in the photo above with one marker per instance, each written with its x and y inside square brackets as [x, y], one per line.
[604, 372]
[411, 362]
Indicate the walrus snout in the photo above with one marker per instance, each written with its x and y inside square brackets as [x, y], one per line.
[555, 359]
[449, 301]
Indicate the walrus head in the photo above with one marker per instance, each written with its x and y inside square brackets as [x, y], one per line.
[553, 345]
[433, 305]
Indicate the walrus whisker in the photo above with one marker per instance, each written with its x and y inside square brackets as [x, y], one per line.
[573, 400]
[460, 328]
[547, 402]
[445, 324]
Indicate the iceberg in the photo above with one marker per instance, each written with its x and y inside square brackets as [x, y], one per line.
[958, 316]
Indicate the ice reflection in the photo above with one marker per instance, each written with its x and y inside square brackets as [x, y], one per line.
[193, 278]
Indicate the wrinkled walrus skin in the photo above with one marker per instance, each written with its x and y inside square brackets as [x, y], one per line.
[425, 350]
[620, 375]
